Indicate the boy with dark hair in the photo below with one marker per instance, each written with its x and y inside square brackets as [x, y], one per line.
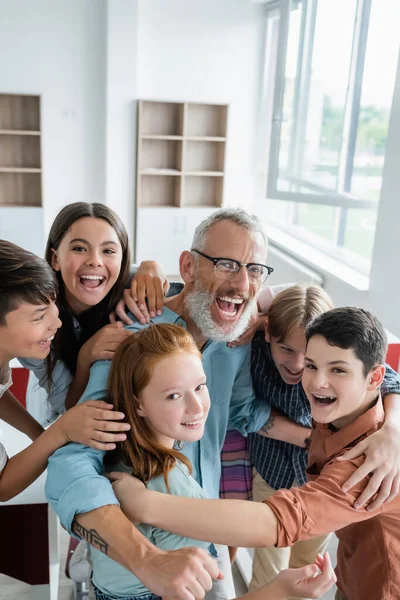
[344, 368]
[28, 323]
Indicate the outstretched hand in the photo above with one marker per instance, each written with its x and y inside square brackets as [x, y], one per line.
[311, 581]
[382, 459]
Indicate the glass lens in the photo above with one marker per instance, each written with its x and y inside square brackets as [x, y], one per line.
[257, 271]
[229, 267]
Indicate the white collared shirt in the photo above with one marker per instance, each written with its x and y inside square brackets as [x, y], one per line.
[5, 383]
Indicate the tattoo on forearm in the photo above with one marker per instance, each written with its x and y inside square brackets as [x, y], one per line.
[268, 425]
[91, 536]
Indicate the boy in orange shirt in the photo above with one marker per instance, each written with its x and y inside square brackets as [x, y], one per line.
[344, 368]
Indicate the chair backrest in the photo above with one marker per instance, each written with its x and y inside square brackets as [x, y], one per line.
[393, 356]
[20, 383]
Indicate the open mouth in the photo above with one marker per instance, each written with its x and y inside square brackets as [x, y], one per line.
[47, 342]
[324, 400]
[193, 424]
[293, 373]
[230, 307]
[90, 282]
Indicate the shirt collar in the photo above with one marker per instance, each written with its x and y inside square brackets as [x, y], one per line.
[370, 420]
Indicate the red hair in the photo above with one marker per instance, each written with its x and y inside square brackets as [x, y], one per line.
[131, 371]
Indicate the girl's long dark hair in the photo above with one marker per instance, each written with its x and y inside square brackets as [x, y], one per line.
[66, 344]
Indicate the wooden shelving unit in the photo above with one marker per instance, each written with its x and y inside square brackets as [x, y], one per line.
[181, 154]
[20, 154]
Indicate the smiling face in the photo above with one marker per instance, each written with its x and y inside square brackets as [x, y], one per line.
[221, 308]
[335, 383]
[176, 402]
[89, 259]
[28, 331]
[288, 354]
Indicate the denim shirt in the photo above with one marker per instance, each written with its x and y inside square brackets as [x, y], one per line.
[75, 483]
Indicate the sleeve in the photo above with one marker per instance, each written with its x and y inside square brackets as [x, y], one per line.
[267, 295]
[247, 413]
[74, 476]
[3, 457]
[319, 507]
[180, 484]
[390, 383]
[61, 380]
[75, 482]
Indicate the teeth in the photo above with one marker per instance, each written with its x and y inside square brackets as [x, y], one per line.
[232, 300]
[325, 397]
[50, 339]
[192, 422]
[94, 277]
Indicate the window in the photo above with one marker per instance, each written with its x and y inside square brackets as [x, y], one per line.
[334, 77]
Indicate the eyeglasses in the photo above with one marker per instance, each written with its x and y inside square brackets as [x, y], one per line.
[226, 268]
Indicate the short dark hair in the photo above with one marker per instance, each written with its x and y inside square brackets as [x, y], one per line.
[355, 328]
[24, 277]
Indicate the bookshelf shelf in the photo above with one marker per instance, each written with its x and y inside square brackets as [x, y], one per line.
[20, 150]
[181, 154]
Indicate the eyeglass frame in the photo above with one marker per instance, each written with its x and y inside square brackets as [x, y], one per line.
[215, 260]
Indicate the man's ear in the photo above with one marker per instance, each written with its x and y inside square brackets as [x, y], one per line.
[375, 377]
[187, 267]
[266, 330]
[54, 260]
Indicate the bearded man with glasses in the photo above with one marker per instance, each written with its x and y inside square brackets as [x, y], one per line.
[223, 274]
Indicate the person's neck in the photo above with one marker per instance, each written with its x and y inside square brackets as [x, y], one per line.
[177, 305]
[5, 359]
[369, 401]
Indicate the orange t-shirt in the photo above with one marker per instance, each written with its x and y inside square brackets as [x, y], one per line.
[368, 558]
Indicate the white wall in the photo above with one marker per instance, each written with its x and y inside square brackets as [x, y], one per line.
[207, 51]
[92, 60]
[57, 50]
[120, 102]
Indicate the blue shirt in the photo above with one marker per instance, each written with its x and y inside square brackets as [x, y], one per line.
[116, 581]
[75, 483]
[280, 463]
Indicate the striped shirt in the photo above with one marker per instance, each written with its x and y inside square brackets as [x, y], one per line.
[280, 463]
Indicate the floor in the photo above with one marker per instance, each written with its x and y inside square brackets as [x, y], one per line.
[12, 589]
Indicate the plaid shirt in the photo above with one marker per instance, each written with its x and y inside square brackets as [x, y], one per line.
[280, 463]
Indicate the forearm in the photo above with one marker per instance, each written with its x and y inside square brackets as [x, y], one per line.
[229, 522]
[22, 469]
[280, 427]
[13, 413]
[391, 405]
[78, 384]
[271, 591]
[108, 530]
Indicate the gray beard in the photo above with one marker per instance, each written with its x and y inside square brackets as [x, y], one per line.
[198, 303]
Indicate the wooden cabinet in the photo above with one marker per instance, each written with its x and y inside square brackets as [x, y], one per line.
[163, 233]
[181, 154]
[20, 155]
[180, 175]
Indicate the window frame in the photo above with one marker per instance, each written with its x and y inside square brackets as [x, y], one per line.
[342, 200]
